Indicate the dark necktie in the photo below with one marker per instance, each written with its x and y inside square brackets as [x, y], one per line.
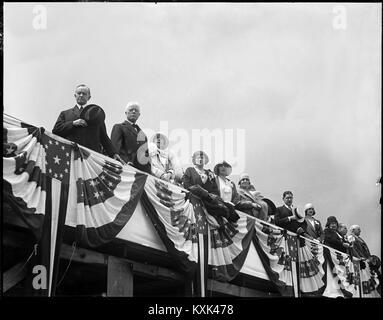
[136, 127]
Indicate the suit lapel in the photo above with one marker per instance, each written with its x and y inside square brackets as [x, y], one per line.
[309, 224]
[130, 127]
[248, 195]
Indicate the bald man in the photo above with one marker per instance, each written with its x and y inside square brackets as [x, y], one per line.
[130, 141]
[360, 248]
[71, 127]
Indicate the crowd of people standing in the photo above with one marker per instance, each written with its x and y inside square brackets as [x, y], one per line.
[84, 124]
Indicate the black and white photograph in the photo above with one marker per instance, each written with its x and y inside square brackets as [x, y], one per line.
[198, 150]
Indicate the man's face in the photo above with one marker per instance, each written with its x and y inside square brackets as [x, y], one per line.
[357, 231]
[82, 95]
[133, 113]
[342, 229]
[288, 199]
[160, 142]
[245, 182]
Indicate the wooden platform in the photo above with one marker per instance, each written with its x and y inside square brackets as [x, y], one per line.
[118, 269]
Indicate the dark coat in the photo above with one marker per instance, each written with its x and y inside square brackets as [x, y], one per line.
[191, 178]
[213, 204]
[131, 145]
[360, 248]
[281, 220]
[263, 211]
[334, 240]
[92, 137]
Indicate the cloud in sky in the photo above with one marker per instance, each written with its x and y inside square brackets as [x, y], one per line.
[306, 95]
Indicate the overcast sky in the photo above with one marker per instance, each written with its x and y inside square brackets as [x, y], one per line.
[289, 93]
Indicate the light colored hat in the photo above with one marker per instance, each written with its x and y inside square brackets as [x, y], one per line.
[162, 136]
[200, 153]
[300, 218]
[309, 206]
[244, 176]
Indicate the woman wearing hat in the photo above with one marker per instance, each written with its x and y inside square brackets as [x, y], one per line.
[226, 187]
[202, 183]
[164, 163]
[197, 175]
[332, 237]
[227, 190]
[246, 191]
[313, 226]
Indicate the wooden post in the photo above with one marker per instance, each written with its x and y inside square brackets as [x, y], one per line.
[120, 278]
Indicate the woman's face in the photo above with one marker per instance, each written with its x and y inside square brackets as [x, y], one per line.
[222, 171]
[245, 183]
[310, 212]
[333, 225]
[160, 142]
[199, 160]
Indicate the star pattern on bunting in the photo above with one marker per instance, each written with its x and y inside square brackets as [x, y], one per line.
[57, 158]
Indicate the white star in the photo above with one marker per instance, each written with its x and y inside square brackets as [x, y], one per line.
[199, 217]
[45, 146]
[56, 143]
[57, 159]
[110, 184]
[101, 193]
[55, 175]
[50, 170]
[66, 170]
[67, 154]
[194, 236]
[9, 150]
[91, 183]
[96, 195]
[102, 177]
[67, 163]
[62, 147]
[61, 175]
[215, 232]
[218, 242]
[50, 142]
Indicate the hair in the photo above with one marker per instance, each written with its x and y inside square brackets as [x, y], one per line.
[131, 104]
[83, 85]
[286, 193]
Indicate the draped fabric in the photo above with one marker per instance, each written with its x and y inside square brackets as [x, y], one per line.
[50, 181]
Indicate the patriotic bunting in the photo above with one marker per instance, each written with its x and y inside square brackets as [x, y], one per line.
[50, 181]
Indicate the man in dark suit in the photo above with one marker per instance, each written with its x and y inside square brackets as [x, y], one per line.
[360, 247]
[130, 141]
[286, 218]
[71, 127]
